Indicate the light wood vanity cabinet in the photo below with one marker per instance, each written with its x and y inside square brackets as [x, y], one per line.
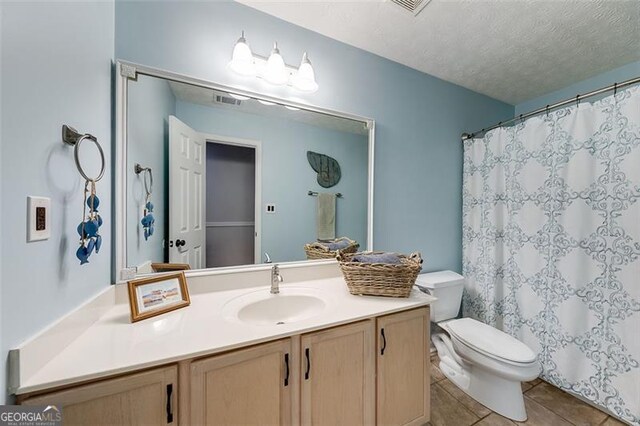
[364, 373]
[147, 398]
[403, 379]
[338, 376]
[248, 387]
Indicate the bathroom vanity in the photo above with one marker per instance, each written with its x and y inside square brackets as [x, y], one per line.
[355, 360]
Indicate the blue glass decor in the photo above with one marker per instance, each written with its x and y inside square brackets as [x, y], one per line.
[148, 220]
[89, 227]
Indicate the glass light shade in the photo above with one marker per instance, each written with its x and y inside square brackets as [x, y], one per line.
[305, 79]
[292, 108]
[263, 102]
[275, 70]
[242, 59]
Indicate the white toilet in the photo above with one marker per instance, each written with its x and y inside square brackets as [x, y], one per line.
[486, 363]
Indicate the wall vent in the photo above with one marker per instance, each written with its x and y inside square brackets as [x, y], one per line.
[413, 6]
[226, 100]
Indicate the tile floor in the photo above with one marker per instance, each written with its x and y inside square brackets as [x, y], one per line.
[546, 406]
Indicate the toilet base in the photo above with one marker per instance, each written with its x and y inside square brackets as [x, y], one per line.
[499, 394]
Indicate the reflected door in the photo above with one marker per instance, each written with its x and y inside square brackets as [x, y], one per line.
[187, 232]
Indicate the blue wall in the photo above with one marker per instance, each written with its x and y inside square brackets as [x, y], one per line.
[151, 101]
[419, 118]
[56, 69]
[287, 176]
[617, 75]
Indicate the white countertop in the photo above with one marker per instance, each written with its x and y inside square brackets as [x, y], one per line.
[112, 344]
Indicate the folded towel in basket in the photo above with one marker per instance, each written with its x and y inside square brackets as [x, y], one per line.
[389, 258]
[336, 245]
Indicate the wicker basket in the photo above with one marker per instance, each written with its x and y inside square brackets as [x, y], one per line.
[381, 279]
[319, 251]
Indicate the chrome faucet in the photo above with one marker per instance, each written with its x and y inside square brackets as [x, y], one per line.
[276, 279]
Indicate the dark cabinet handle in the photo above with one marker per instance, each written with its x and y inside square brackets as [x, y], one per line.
[384, 341]
[180, 243]
[306, 373]
[169, 407]
[286, 364]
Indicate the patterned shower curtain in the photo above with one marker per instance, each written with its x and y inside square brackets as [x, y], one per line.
[551, 244]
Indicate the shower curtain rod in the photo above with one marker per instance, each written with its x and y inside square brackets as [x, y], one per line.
[577, 98]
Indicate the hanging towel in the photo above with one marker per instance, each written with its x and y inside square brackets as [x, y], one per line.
[326, 216]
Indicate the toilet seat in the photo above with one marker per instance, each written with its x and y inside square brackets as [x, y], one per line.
[489, 341]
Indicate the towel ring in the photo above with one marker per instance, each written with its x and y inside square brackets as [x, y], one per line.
[148, 187]
[71, 137]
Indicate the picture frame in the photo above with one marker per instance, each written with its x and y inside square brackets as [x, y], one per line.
[152, 296]
[170, 267]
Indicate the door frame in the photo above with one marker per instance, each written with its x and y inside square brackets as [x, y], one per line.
[257, 146]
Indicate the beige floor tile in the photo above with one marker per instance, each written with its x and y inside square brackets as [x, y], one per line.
[447, 411]
[541, 416]
[613, 422]
[474, 406]
[495, 420]
[436, 374]
[566, 405]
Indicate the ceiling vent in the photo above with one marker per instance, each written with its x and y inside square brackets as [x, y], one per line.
[226, 100]
[413, 6]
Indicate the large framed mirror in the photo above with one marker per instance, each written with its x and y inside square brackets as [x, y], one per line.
[209, 176]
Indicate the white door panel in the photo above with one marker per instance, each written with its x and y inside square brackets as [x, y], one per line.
[186, 195]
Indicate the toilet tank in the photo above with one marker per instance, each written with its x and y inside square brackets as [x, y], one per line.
[447, 286]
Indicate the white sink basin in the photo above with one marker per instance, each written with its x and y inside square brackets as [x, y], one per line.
[260, 307]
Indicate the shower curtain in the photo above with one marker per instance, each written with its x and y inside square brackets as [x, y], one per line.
[551, 244]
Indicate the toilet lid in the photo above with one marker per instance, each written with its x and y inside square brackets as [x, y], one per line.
[490, 341]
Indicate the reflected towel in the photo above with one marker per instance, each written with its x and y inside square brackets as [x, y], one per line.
[389, 258]
[335, 245]
[326, 226]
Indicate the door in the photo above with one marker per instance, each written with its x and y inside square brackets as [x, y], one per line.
[231, 201]
[245, 387]
[187, 233]
[403, 368]
[135, 399]
[338, 368]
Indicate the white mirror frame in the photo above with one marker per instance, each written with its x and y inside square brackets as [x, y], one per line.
[126, 71]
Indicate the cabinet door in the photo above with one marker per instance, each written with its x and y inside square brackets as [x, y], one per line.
[403, 368]
[147, 398]
[337, 375]
[245, 387]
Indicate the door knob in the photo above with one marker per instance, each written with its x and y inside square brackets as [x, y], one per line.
[180, 243]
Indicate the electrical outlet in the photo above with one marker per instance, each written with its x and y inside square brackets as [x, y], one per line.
[271, 208]
[38, 218]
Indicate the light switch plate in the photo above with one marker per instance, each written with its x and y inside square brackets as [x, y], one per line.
[38, 218]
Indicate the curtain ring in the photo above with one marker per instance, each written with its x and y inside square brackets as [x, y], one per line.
[547, 110]
[521, 120]
[577, 100]
[615, 88]
[76, 149]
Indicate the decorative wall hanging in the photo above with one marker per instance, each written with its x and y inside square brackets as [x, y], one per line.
[147, 216]
[89, 227]
[328, 169]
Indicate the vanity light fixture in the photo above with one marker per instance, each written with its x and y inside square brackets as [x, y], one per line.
[276, 71]
[273, 69]
[305, 79]
[242, 59]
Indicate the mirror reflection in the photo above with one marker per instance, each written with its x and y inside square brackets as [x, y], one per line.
[216, 179]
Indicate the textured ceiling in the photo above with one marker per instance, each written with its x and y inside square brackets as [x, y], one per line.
[512, 50]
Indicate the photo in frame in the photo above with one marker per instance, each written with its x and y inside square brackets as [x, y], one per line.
[157, 295]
